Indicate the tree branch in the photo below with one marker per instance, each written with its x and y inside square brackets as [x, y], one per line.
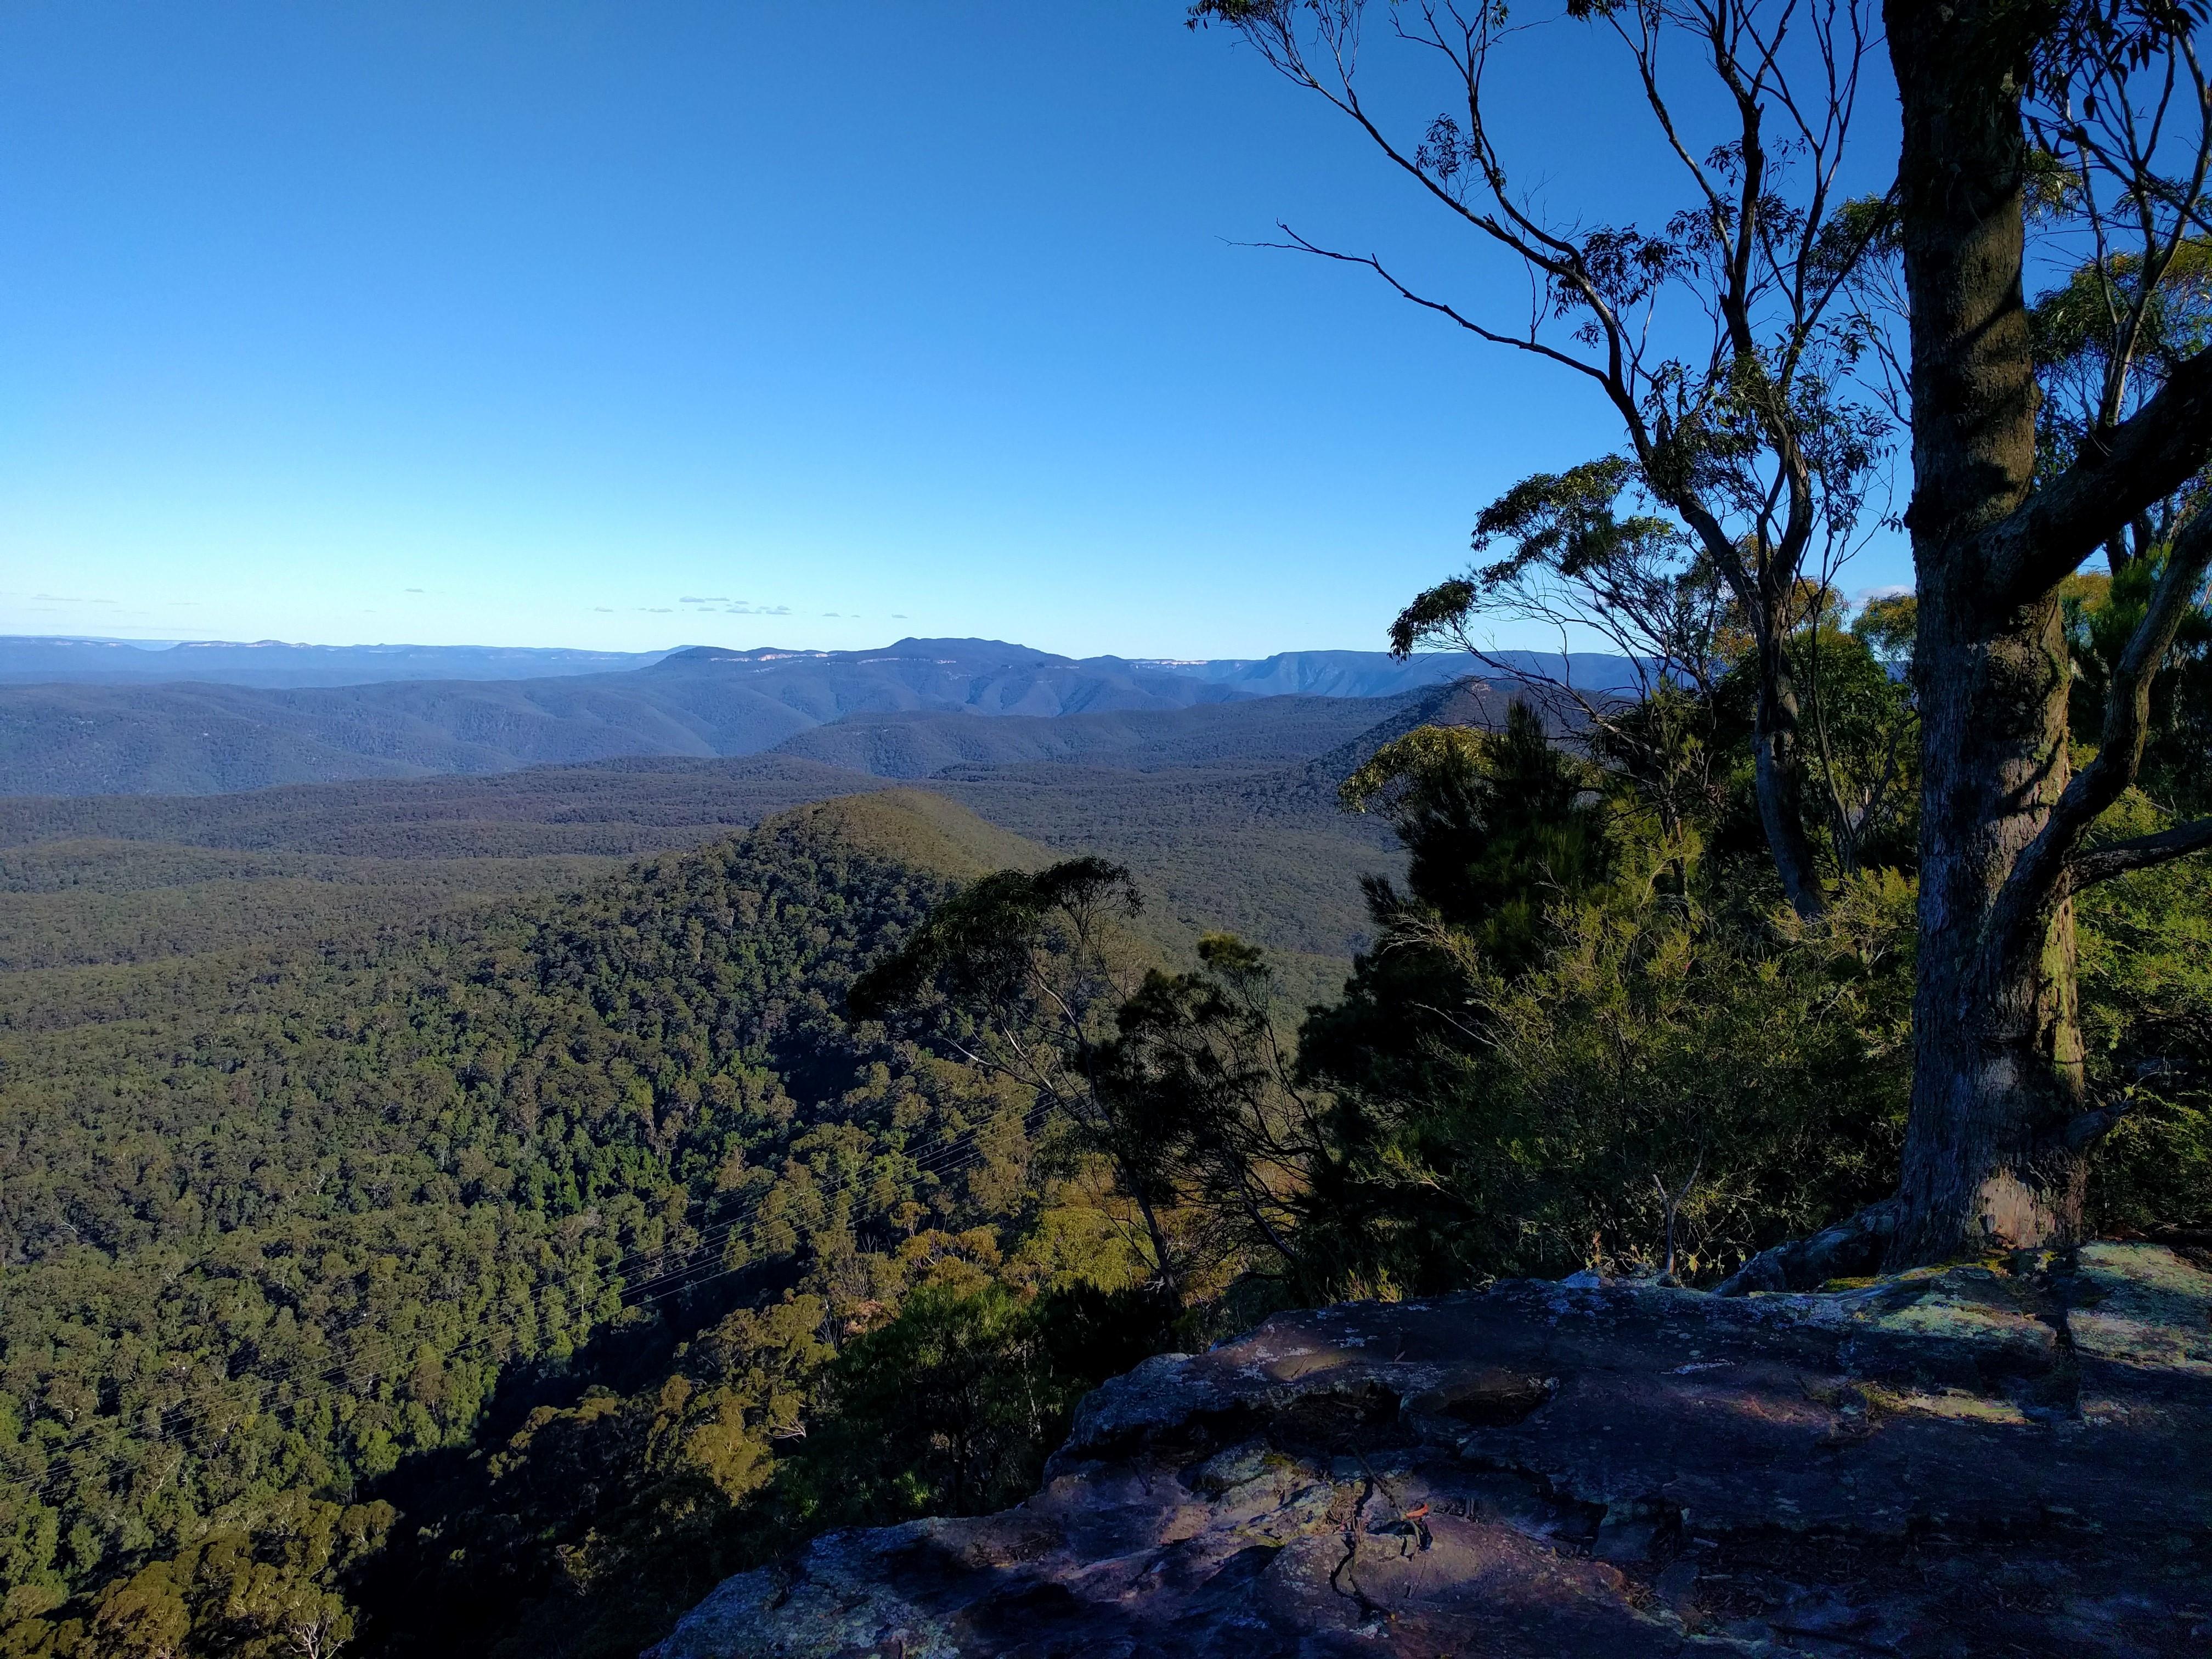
[1298, 244]
[2052, 858]
[2120, 858]
[2127, 709]
[2148, 457]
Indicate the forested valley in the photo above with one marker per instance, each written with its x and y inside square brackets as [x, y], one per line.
[499, 1280]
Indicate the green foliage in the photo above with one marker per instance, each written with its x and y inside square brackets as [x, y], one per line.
[80, 904]
[1889, 624]
[1569, 527]
[1496, 826]
[1584, 1040]
[2101, 613]
[986, 944]
[946, 1408]
[1018, 973]
[310, 1220]
[2146, 986]
[265, 1590]
[951, 1407]
[1200, 1075]
[2074, 326]
[1582, 550]
[1653, 1087]
[1862, 737]
[1660, 1069]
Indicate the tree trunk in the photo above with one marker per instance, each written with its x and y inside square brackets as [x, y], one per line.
[1997, 1050]
[1162, 1260]
[1777, 777]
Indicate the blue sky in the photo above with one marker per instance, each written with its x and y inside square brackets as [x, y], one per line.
[628, 324]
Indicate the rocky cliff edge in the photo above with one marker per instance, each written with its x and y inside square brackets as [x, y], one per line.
[2013, 1458]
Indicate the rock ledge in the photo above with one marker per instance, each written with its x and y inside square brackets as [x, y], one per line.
[2010, 1459]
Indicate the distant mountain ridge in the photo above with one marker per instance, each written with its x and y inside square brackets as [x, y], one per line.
[36, 659]
[208, 738]
[41, 660]
[979, 677]
[1378, 674]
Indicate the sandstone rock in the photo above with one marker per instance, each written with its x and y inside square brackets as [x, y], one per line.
[2009, 1459]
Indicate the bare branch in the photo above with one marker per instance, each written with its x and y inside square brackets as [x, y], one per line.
[1298, 244]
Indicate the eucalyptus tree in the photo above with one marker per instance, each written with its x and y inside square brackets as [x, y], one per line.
[2098, 112]
[2043, 437]
[1724, 338]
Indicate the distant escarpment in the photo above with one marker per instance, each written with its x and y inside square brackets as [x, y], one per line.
[2007, 1458]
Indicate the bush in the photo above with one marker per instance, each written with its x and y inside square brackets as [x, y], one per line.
[1657, 1091]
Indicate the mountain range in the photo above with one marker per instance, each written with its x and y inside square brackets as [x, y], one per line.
[41, 660]
[188, 737]
[27, 660]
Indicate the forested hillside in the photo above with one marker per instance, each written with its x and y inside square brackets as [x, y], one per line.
[277, 1234]
[73, 903]
[1264, 730]
[346, 1126]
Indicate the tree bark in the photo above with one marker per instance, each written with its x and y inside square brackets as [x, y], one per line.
[1996, 1049]
[1777, 777]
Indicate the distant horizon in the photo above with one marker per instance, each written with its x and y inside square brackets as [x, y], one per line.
[152, 644]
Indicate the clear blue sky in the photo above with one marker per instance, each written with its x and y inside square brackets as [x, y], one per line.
[620, 324]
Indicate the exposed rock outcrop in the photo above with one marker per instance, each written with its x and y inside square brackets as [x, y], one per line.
[2009, 1459]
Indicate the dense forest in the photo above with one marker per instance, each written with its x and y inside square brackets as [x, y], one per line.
[280, 1244]
[376, 1153]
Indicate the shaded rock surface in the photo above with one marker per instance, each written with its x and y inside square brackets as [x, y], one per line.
[2008, 1459]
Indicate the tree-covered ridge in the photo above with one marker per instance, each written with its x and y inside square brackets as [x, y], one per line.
[1258, 848]
[315, 1214]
